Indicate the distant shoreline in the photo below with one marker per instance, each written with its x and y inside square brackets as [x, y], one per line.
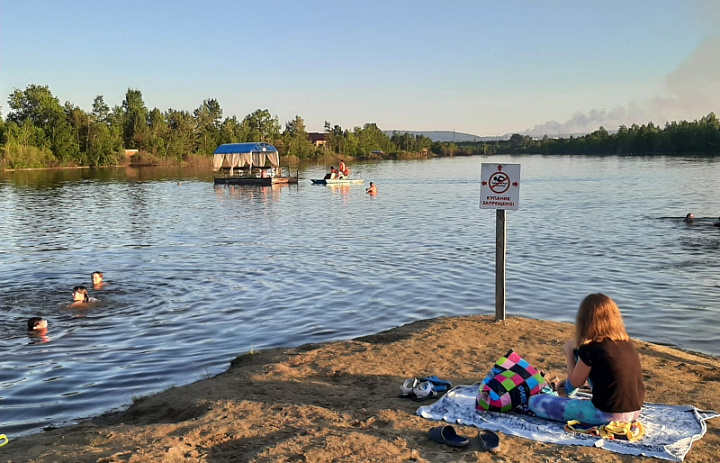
[200, 161]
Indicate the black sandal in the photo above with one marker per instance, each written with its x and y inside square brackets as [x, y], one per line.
[489, 441]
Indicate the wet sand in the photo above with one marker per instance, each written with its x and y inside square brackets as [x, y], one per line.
[338, 402]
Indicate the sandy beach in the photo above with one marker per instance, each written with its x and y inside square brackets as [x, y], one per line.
[338, 402]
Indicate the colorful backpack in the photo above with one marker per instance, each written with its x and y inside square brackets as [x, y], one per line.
[509, 384]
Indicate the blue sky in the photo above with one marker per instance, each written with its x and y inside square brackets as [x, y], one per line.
[482, 67]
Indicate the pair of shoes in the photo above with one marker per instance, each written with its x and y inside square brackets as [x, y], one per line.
[424, 388]
[447, 435]
[406, 390]
[489, 441]
[413, 388]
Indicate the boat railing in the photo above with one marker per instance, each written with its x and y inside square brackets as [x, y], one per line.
[352, 176]
[260, 172]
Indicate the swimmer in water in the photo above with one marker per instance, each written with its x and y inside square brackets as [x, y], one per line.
[37, 324]
[689, 218]
[97, 280]
[37, 330]
[717, 224]
[80, 294]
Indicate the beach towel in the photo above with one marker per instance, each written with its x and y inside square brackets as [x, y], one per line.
[670, 430]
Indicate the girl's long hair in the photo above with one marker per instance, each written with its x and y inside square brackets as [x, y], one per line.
[599, 318]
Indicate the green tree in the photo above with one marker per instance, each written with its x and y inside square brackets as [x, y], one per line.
[135, 129]
[295, 138]
[26, 134]
[100, 110]
[104, 146]
[371, 138]
[230, 131]
[37, 104]
[25, 147]
[182, 137]
[334, 138]
[409, 142]
[351, 142]
[79, 122]
[261, 126]
[710, 133]
[158, 133]
[208, 117]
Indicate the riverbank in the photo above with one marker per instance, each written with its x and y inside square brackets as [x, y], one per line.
[338, 402]
[198, 160]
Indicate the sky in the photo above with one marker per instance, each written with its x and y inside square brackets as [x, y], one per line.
[482, 67]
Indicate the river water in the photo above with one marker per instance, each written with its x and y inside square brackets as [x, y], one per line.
[198, 274]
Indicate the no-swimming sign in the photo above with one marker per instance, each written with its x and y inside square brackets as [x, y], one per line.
[500, 188]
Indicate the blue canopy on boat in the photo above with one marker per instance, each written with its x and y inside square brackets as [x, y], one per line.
[250, 147]
[242, 154]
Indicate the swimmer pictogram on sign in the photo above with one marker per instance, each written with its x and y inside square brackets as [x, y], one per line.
[499, 183]
[500, 186]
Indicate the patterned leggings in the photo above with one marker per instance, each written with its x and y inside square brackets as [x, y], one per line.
[557, 408]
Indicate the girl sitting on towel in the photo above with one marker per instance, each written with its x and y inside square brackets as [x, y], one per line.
[603, 355]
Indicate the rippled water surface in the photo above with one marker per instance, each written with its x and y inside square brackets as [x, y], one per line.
[199, 274]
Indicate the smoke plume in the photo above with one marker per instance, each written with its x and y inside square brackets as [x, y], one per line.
[691, 92]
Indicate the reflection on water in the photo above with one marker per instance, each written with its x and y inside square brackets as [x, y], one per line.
[197, 274]
[54, 178]
[39, 336]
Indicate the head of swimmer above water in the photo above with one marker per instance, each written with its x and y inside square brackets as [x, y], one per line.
[37, 324]
[80, 294]
[97, 278]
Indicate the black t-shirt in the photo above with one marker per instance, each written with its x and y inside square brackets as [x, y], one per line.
[616, 375]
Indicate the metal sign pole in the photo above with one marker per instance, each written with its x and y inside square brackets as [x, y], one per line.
[500, 251]
[500, 190]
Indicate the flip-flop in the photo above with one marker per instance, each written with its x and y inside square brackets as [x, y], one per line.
[489, 441]
[447, 435]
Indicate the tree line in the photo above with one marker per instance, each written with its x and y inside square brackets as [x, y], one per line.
[701, 136]
[40, 132]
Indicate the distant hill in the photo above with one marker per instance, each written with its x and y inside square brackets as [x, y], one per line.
[459, 137]
[557, 136]
[447, 135]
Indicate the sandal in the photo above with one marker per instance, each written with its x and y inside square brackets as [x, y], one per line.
[406, 390]
[489, 441]
[425, 391]
[424, 388]
[447, 435]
